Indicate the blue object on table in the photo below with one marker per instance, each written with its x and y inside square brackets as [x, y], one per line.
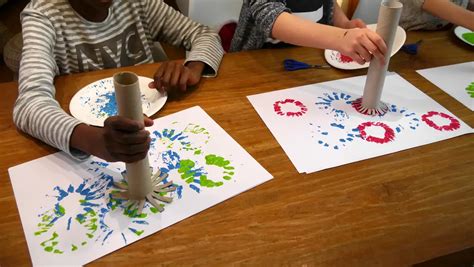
[412, 49]
[291, 65]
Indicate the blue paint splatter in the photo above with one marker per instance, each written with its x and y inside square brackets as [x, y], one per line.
[107, 104]
[124, 239]
[140, 222]
[69, 223]
[107, 236]
[328, 101]
[195, 188]
[340, 126]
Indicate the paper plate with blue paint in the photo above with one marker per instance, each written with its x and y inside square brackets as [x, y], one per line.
[340, 61]
[465, 35]
[96, 102]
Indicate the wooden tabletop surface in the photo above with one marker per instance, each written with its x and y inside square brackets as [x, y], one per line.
[395, 210]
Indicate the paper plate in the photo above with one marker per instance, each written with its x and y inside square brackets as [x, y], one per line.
[335, 59]
[464, 34]
[96, 102]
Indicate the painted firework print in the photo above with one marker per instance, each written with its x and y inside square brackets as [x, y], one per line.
[319, 128]
[69, 216]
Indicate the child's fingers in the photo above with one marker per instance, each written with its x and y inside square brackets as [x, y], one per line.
[123, 124]
[132, 149]
[148, 122]
[178, 69]
[129, 158]
[124, 138]
[359, 23]
[183, 80]
[378, 41]
[165, 79]
[158, 75]
[373, 50]
[363, 53]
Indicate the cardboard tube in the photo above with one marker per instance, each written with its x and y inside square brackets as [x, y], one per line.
[128, 97]
[389, 16]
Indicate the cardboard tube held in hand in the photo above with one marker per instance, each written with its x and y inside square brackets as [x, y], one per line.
[128, 97]
[389, 16]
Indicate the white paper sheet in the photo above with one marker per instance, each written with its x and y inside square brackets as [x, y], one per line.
[318, 128]
[456, 80]
[67, 213]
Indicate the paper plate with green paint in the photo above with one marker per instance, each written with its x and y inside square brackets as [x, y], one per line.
[96, 102]
[465, 35]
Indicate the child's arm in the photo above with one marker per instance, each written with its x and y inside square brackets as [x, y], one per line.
[451, 12]
[359, 44]
[172, 27]
[340, 19]
[37, 113]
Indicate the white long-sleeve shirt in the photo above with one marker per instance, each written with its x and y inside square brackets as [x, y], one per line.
[57, 40]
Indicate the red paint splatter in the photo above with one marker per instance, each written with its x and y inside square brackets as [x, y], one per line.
[357, 105]
[278, 105]
[388, 136]
[453, 125]
[345, 59]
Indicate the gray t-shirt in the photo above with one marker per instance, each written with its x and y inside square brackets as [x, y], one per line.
[415, 18]
[258, 16]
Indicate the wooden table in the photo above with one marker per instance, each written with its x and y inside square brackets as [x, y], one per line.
[395, 210]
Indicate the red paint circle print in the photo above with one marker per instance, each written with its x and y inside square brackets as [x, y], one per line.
[453, 125]
[300, 108]
[389, 134]
[345, 59]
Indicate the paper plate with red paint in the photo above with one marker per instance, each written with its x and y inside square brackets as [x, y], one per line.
[465, 35]
[340, 61]
[96, 101]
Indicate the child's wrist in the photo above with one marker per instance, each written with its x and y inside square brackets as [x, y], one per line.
[85, 138]
[197, 67]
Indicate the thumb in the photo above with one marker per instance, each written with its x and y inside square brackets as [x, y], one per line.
[148, 122]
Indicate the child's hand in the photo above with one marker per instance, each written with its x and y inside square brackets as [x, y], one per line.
[125, 139]
[120, 139]
[362, 44]
[173, 75]
[355, 23]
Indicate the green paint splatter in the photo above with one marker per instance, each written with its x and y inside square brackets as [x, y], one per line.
[208, 182]
[469, 37]
[89, 220]
[60, 211]
[470, 90]
[185, 169]
[48, 218]
[73, 248]
[133, 213]
[138, 232]
[218, 161]
[50, 244]
[195, 129]
[40, 232]
[83, 243]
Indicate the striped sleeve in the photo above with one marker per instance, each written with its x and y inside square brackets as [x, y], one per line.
[36, 111]
[172, 27]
